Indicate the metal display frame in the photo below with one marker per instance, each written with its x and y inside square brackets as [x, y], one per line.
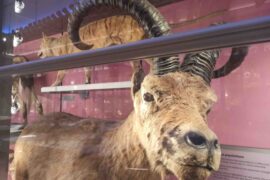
[228, 35]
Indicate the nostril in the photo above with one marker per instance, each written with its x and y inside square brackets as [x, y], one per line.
[216, 144]
[196, 140]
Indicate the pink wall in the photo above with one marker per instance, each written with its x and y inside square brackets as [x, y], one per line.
[241, 114]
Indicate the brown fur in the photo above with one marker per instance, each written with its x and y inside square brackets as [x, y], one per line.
[102, 33]
[148, 145]
[23, 92]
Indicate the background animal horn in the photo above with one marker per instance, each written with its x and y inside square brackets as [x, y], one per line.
[236, 59]
[146, 14]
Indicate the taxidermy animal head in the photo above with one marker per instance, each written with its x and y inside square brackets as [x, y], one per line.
[171, 115]
[51, 46]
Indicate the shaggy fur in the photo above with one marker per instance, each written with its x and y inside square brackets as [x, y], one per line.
[150, 144]
[102, 33]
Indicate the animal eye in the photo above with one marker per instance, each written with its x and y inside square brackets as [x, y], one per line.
[148, 97]
[208, 111]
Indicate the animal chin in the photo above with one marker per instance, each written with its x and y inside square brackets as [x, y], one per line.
[170, 175]
[194, 172]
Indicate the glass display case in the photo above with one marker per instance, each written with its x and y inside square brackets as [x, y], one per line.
[135, 98]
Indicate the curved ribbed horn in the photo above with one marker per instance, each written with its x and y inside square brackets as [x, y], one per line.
[236, 59]
[146, 14]
[201, 64]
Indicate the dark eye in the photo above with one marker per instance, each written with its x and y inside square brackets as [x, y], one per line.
[208, 111]
[148, 97]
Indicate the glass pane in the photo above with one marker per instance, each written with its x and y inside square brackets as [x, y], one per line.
[99, 99]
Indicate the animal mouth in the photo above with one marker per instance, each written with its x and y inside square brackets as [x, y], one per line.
[172, 176]
[207, 167]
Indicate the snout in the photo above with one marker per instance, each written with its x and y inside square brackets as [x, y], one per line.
[208, 143]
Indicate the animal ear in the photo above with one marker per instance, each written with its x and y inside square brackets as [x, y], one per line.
[212, 98]
[137, 77]
[44, 37]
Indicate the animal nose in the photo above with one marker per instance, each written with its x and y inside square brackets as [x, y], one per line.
[198, 141]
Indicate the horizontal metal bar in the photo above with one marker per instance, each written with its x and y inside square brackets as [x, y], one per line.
[83, 87]
[227, 35]
[4, 118]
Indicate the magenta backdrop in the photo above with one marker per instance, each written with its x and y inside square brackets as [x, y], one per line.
[241, 115]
